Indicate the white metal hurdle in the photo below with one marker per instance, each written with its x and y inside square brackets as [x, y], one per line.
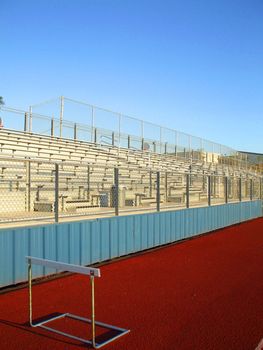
[90, 271]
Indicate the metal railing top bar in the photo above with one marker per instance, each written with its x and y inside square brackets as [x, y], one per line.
[44, 102]
[182, 146]
[71, 123]
[11, 109]
[21, 111]
[136, 119]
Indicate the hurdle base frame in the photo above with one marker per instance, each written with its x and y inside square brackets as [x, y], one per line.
[96, 345]
[91, 272]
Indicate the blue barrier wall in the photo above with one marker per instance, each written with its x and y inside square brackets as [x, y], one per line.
[89, 241]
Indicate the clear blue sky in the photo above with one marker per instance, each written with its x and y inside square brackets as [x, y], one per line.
[196, 66]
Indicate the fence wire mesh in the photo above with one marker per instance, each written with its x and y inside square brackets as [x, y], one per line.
[27, 190]
[44, 190]
[54, 118]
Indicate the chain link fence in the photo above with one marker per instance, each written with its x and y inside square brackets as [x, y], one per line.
[41, 190]
[107, 128]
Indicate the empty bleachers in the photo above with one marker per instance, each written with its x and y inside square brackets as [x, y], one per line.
[86, 177]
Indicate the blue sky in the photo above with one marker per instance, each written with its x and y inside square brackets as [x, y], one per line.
[196, 66]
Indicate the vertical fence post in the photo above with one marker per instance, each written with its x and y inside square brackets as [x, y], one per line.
[56, 192]
[240, 189]
[112, 138]
[142, 145]
[61, 116]
[158, 191]
[251, 189]
[116, 191]
[187, 190]
[95, 135]
[226, 189]
[209, 190]
[75, 131]
[52, 127]
[28, 184]
[26, 122]
[129, 141]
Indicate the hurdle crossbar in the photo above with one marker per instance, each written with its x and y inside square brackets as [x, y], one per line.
[90, 271]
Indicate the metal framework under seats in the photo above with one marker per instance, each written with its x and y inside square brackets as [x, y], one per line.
[92, 272]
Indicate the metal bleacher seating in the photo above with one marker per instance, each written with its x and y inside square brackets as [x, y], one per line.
[86, 175]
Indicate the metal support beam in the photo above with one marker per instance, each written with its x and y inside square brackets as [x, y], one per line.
[226, 189]
[28, 185]
[209, 190]
[113, 138]
[75, 131]
[56, 207]
[251, 189]
[187, 190]
[165, 148]
[116, 191]
[95, 135]
[158, 191]
[26, 122]
[52, 128]
[240, 189]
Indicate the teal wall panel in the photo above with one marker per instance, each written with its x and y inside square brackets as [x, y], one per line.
[90, 241]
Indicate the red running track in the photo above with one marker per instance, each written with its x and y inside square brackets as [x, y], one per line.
[205, 293]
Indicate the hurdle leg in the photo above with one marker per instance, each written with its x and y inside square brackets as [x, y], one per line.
[93, 311]
[30, 291]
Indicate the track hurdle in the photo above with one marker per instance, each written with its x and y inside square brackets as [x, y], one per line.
[92, 272]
